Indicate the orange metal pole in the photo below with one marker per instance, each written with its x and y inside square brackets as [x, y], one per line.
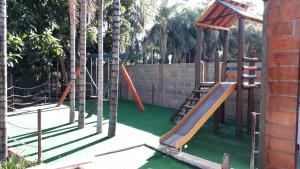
[67, 90]
[132, 88]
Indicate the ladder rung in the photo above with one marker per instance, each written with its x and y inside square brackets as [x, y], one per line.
[206, 84]
[188, 107]
[257, 133]
[251, 68]
[247, 76]
[250, 59]
[199, 91]
[194, 99]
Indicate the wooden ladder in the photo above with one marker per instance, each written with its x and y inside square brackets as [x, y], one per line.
[191, 100]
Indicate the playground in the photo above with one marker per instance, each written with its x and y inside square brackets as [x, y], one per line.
[63, 142]
[117, 84]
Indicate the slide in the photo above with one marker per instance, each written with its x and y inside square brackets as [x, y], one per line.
[132, 88]
[198, 115]
[68, 88]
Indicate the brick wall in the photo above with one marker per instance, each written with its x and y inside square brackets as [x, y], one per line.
[179, 82]
[282, 83]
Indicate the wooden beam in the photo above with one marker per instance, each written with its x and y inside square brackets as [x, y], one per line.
[213, 27]
[224, 71]
[199, 49]
[264, 103]
[216, 80]
[239, 98]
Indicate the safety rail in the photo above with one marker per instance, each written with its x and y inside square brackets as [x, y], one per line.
[25, 145]
[20, 97]
[254, 133]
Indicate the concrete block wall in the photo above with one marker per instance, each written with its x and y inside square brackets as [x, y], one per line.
[179, 81]
[282, 85]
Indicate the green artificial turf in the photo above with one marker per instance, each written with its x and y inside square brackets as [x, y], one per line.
[204, 144]
[161, 161]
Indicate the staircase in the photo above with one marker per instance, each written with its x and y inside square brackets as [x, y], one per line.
[191, 100]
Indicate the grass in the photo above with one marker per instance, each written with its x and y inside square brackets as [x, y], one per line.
[204, 144]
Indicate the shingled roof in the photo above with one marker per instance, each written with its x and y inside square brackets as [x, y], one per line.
[222, 14]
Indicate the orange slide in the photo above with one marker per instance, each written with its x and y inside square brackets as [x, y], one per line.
[63, 97]
[132, 88]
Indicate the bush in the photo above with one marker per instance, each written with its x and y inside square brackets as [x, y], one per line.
[16, 163]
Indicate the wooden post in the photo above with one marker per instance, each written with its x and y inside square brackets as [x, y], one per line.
[253, 140]
[198, 59]
[217, 79]
[39, 124]
[251, 95]
[224, 71]
[226, 164]
[239, 97]
[264, 103]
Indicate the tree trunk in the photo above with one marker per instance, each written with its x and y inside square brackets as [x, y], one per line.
[114, 70]
[63, 70]
[72, 7]
[3, 81]
[100, 68]
[163, 48]
[82, 77]
[145, 45]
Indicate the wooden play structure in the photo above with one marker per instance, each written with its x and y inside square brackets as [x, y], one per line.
[208, 97]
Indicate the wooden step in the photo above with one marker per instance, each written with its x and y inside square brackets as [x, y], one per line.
[250, 68]
[188, 106]
[250, 59]
[194, 99]
[201, 90]
[206, 84]
[247, 76]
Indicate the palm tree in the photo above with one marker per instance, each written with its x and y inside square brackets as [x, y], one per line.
[114, 70]
[82, 78]
[3, 77]
[72, 13]
[100, 67]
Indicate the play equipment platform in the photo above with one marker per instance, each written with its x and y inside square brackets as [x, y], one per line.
[198, 115]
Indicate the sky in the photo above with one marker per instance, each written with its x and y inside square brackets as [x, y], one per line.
[198, 3]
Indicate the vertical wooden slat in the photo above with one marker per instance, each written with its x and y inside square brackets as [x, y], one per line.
[250, 95]
[239, 101]
[226, 163]
[224, 71]
[264, 86]
[198, 59]
[216, 80]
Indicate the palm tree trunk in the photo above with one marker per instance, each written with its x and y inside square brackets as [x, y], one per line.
[100, 68]
[82, 78]
[163, 48]
[3, 81]
[72, 6]
[115, 70]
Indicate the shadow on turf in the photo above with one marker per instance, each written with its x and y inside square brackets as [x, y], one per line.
[75, 150]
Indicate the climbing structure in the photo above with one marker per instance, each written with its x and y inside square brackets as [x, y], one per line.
[206, 101]
[192, 100]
